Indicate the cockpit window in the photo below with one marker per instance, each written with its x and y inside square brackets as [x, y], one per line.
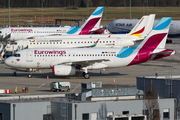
[17, 55]
[14, 43]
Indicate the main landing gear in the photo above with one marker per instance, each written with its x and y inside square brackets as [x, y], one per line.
[168, 41]
[30, 75]
[86, 75]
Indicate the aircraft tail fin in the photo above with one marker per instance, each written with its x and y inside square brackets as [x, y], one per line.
[157, 37]
[92, 23]
[143, 27]
[153, 46]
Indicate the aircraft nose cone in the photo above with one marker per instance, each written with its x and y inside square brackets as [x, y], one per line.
[7, 61]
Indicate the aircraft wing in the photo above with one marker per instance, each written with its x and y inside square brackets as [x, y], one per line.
[84, 63]
[98, 31]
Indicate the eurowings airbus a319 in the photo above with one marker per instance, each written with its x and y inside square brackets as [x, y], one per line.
[69, 61]
[91, 25]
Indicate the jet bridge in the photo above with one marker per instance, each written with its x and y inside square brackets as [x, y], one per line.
[8, 48]
[5, 37]
[2, 52]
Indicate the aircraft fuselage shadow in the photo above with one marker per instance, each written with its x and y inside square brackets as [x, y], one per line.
[37, 74]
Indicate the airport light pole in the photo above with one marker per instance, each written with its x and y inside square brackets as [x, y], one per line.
[9, 11]
[147, 7]
[17, 16]
[63, 15]
[87, 8]
[42, 10]
[105, 15]
[130, 9]
[144, 7]
[63, 12]
[4, 16]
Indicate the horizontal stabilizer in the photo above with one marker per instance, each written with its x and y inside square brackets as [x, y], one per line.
[98, 31]
[159, 55]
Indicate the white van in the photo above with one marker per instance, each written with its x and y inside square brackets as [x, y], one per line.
[60, 86]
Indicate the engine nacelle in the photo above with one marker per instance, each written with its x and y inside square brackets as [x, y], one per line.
[63, 70]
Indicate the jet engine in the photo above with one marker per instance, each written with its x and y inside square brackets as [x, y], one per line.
[63, 70]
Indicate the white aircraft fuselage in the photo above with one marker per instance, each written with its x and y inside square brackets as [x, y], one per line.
[87, 41]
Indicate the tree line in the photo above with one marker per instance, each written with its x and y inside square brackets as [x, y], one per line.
[91, 3]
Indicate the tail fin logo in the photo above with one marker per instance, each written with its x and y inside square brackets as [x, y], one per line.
[154, 43]
[32, 41]
[137, 33]
[95, 43]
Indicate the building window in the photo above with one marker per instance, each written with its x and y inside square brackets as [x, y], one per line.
[1, 116]
[46, 116]
[166, 113]
[85, 116]
[109, 113]
[125, 112]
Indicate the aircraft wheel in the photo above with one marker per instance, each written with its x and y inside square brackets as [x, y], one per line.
[15, 73]
[86, 76]
[29, 76]
[83, 74]
[169, 41]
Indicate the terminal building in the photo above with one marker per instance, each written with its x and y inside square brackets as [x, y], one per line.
[167, 87]
[93, 103]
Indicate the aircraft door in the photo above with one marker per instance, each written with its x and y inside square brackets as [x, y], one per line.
[177, 28]
[119, 42]
[29, 56]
